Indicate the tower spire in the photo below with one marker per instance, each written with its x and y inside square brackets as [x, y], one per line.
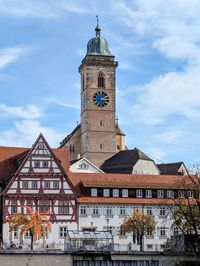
[97, 29]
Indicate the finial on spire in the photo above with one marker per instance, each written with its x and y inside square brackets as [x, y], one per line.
[97, 29]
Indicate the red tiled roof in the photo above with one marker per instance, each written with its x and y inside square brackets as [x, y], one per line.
[110, 200]
[124, 180]
[10, 155]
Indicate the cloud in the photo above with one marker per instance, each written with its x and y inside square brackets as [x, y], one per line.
[11, 54]
[26, 131]
[46, 9]
[27, 112]
[27, 8]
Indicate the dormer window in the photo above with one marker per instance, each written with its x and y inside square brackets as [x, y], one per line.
[139, 193]
[148, 193]
[115, 193]
[93, 192]
[170, 194]
[101, 80]
[106, 192]
[190, 194]
[125, 193]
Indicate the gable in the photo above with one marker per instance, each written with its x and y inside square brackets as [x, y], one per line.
[84, 166]
[40, 159]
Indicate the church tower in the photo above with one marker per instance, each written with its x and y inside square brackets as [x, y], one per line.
[98, 94]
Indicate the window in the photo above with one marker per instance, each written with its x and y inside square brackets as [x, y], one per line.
[63, 207]
[27, 234]
[34, 184]
[162, 231]
[176, 231]
[13, 208]
[162, 211]
[148, 193]
[46, 184]
[15, 234]
[170, 194]
[37, 164]
[55, 184]
[125, 193]
[122, 210]
[160, 193]
[115, 193]
[93, 192]
[95, 210]
[63, 231]
[24, 184]
[29, 202]
[84, 166]
[45, 164]
[149, 246]
[139, 193]
[40, 145]
[83, 210]
[121, 232]
[101, 146]
[106, 192]
[101, 123]
[109, 211]
[83, 81]
[109, 229]
[190, 194]
[101, 80]
[181, 194]
[149, 210]
[149, 233]
[44, 206]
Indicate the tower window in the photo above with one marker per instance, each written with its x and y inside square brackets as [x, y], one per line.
[101, 123]
[101, 146]
[83, 81]
[101, 80]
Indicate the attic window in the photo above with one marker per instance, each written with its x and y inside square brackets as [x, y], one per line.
[84, 166]
[40, 145]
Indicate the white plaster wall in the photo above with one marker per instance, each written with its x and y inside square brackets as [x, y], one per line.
[145, 167]
[101, 220]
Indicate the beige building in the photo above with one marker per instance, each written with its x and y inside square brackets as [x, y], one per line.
[98, 136]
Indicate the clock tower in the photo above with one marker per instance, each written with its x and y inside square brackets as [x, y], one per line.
[98, 93]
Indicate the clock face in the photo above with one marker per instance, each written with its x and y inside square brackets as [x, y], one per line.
[101, 98]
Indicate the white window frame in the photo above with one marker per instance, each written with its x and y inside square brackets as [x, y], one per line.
[125, 193]
[162, 211]
[139, 193]
[93, 192]
[109, 211]
[181, 194]
[63, 231]
[83, 210]
[170, 194]
[148, 193]
[95, 210]
[106, 192]
[190, 194]
[122, 210]
[160, 193]
[25, 184]
[149, 210]
[115, 193]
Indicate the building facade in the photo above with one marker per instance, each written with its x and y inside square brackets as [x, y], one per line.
[40, 182]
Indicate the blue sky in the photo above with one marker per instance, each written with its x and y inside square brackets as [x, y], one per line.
[157, 44]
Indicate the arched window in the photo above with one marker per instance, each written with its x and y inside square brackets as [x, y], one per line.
[101, 80]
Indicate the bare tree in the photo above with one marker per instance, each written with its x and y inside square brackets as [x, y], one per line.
[186, 210]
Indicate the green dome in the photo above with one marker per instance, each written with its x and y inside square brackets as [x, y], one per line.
[98, 46]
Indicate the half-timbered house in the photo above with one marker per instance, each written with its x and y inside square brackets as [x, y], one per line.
[38, 180]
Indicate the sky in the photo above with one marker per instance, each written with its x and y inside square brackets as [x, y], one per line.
[157, 45]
